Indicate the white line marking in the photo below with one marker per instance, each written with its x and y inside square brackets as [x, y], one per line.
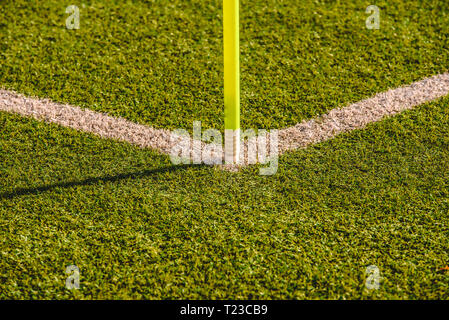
[354, 116]
[360, 114]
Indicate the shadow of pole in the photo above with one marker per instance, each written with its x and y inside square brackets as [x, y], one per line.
[91, 181]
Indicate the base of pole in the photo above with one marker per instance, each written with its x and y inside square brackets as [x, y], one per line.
[232, 146]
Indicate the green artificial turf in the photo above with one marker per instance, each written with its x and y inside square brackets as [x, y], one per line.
[160, 62]
[139, 227]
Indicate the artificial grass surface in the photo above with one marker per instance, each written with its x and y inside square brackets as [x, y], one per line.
[137, 227]
[160, 62]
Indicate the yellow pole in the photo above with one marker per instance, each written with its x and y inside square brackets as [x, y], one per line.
[231, 79]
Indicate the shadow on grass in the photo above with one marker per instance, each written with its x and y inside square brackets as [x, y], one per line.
[90, 181]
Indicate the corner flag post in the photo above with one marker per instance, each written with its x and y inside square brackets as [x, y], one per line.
[231, 80]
